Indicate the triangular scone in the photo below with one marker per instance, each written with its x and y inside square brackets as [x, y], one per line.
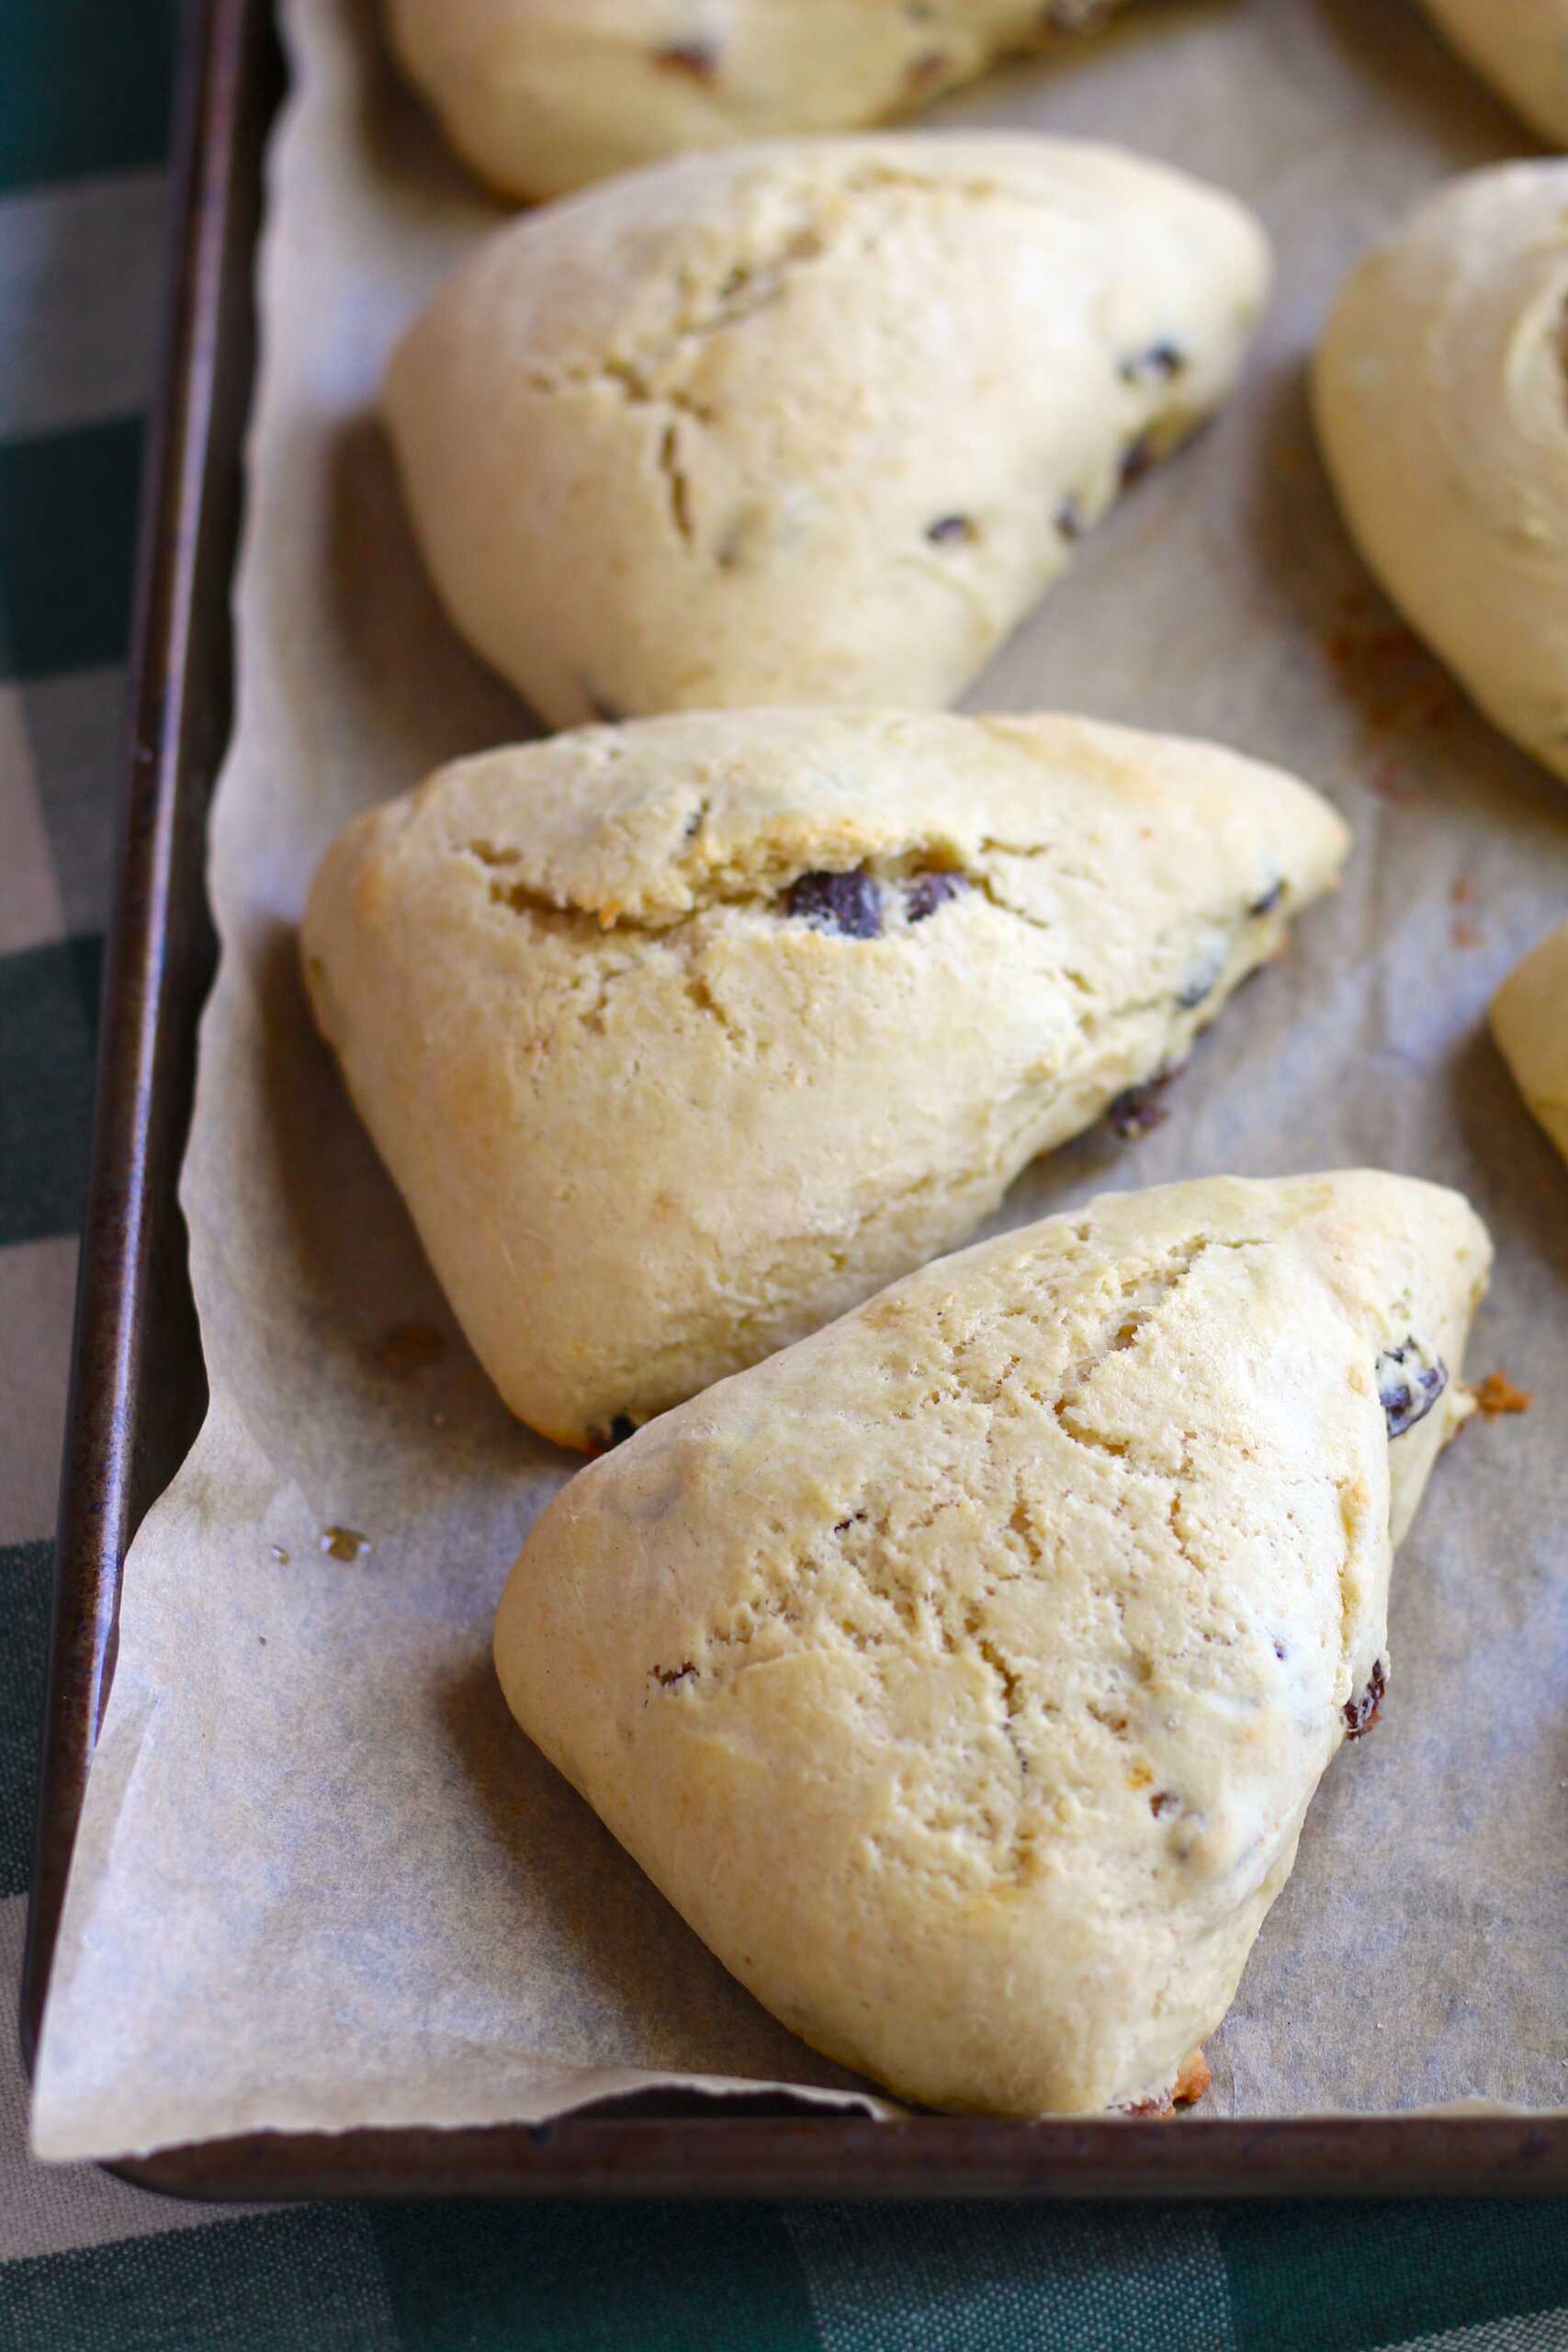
[682, 1037]
[1439, 395]
[1521, 47]
[1529, 1020]
[542, 96]
[962, 1674]
[805, 423]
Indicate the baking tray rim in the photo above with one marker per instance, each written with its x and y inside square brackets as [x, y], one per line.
[156, 970]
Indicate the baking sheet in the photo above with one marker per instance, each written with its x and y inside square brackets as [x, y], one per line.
[321, 1879]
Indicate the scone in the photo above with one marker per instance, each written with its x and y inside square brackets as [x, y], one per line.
[541, 96]
[962, 1674]
[1439, 398]
[1521, 47]
[809, 423]
[1529, 1020]
[682, 1037]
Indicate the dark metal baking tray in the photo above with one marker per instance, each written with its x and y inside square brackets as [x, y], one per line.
[139, 1393]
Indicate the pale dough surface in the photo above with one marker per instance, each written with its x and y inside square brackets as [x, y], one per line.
[963, 1674]
[816, 422]
[1442, 411]
[541, 96]
[652, 1125]
[1529, 1020]
[1521, 47]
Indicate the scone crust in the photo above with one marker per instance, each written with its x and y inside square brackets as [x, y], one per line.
[707, 437]
[651, 1125]
[1529, 1020]
[962, 1674]
[1438, 394]
[541, 97]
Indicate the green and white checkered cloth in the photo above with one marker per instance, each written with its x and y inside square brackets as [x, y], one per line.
[87, 2262]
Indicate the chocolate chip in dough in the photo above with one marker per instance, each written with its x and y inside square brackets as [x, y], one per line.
[696, 57]
[1138, 1109]
[1136, 459]
[1410, 1382]
[1156, 363]
[1201, 982]
[847, 903]
[1361, 1712]
[929, 891]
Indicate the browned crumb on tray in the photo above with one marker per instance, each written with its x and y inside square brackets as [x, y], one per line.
[1400, 691]
[345, 1543]
[1386, 667]
[1193, 2080]
[410, 1347]
[1496, 1394]
[1462, 931]
[1191, 2083]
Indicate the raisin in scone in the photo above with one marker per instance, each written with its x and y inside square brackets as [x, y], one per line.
[540, 97]
[1439, 396]
[680, 1039]
[1521, 48]
[807, 423]
[1529, 1020]
[962, 1674]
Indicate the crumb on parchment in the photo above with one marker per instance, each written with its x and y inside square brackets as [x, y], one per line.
[1496, 1395]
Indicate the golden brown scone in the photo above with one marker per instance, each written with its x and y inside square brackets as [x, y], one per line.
[1440, 399]
[680, 1039]
[962, 1675]
[1529, 1020]
[805, 423]
[542, 96]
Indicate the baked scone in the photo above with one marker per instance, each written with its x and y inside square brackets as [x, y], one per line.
[542, 96]
[1529, 1020]
[1438, 392]
[808, 424]
[682, 1037]
[1521, 48]
[962, 1674]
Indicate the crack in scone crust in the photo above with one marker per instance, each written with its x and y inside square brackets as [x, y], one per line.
[700, 445]
[913, 1573]
[850, 214]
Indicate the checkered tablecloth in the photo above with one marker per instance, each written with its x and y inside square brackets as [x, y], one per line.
[87, 2262]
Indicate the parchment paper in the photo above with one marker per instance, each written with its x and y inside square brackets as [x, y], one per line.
[322, 1881]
